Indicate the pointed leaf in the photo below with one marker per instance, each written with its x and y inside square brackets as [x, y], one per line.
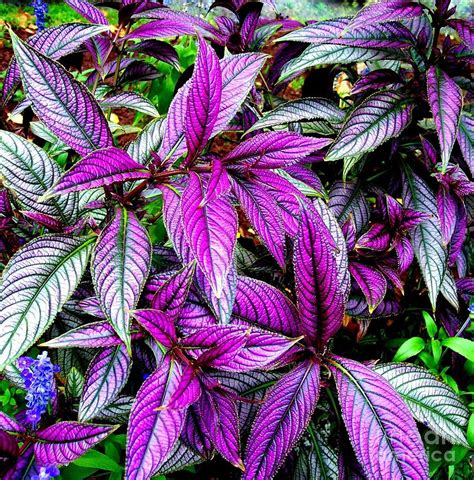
[380, 117]
[36, 283]
[106, 376]
[259, 304]
[380, 426]
[426, 237]
[466, 139]
[281, 420]
[64, 105]
[204, 99]
[30, 172]
[161, 29]
[88, 11]
[211, 231]
[274, 150]
[238, 77]
[100, 168]
[131, 100]
[8, 424]
[159, 325]
[445, 100]
[431, 401]
[320, 295]
[300, 110]
[120, 267]
[63, 442]
[148, 140]
[152, 433]
[371, 281]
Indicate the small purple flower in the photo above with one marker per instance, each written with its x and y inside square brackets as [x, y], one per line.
[46, 473]
[41, 10]
[39, 382]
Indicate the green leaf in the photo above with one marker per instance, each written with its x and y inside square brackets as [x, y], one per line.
[409, 348]
[36, 283]
[431, 401]
[431, 326]
[463, 346]
[470, 431]
[95, 459]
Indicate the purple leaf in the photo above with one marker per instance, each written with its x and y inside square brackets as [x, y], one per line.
[261, 305]
[188, 390]
[377, 119]
[219, 414]
[152, 433]
[301, 110]
[91, 305]
[159, 325]
[376, 238]
[131, 100]
[445, 100]
[426, 237]
[219, 183]
[262, 212]
[54, 42]
[63, 442]
[380, 426]
[157, 49]
[160, 29]
[64, 105]
[172, 295]
[321, 297]
[88, 11]
[447, 208]
[34, 290]
[106, 376]
[274, 150]
[204, 99]
[376, 80]
[371, 281]
[389, 11]
[238, 77]
[465, 30]
[318, 32]
[91, 335]
[100, 168]
[281, 420]
[346, 199]
[211, 231]
[8, 424]
[120, 267]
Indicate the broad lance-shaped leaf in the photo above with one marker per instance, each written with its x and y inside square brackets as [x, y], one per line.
[371, 281]
[63, 442]
[219, 416]
[321, 296]
[63, 104]
[259, 304]
[331, 54]
[172, 295]
[426, 237]
[88, 11]
[238, 77]
[336, 31]
[445, 100]
[211, 232]
[274, 150]
[30, 172]
[159, 325]
[36, 283]
[204, 99]
[8, 424]
[98, 169]
[380, 117]
[261, 210]
[147, 141]
[54, 42]
[281, 420]
[91, 335]
[131, 100]
[466, 139]
[153, 432]
[431, 401]
[161, 29]
[380, 426]
[300, 110]
[120, 267]
[106, 376]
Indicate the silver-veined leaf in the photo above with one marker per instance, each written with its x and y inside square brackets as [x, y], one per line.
[36, 283]
[431, 401]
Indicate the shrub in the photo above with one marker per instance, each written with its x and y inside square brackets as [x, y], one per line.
[207, 287]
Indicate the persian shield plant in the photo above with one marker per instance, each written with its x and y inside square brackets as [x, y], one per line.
[227, 282]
